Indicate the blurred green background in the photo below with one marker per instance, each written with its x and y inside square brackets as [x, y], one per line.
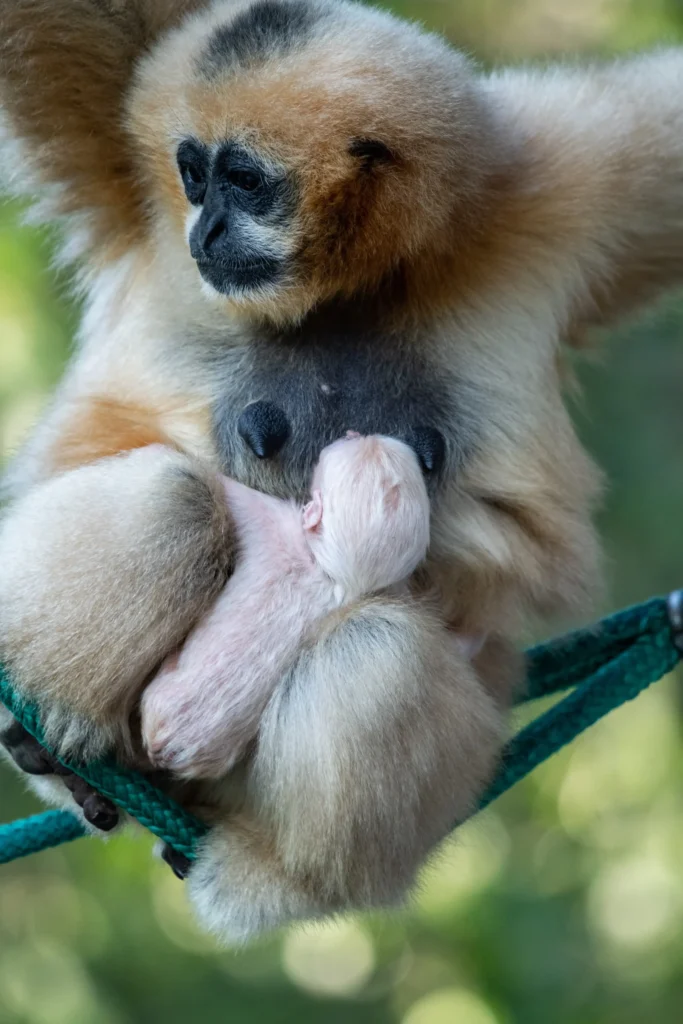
[561, 905]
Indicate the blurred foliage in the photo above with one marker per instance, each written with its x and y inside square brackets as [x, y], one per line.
[561, 905]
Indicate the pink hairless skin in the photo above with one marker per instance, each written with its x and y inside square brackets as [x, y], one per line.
[365, 529]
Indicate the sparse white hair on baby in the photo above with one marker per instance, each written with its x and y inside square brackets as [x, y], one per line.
[368, 522]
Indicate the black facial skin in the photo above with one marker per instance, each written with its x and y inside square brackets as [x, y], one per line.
[231, 186]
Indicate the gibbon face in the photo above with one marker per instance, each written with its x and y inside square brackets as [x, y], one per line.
[294, 169]
[244, 212]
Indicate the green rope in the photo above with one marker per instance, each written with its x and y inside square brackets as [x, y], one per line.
[37, 833]
[130, 790]
[608, 665]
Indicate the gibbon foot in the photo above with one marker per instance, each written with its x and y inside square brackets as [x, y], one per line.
[34, 759]
[179, 864]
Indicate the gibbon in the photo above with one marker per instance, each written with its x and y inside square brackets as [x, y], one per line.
[314, 206]
[365, 530]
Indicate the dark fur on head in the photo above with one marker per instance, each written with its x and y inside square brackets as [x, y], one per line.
[378, 179]
[266, 29]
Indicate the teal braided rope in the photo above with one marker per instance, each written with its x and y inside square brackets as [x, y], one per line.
[128, 789]
[609, 664]
[622, 655]
[38, 833]
[571, 659]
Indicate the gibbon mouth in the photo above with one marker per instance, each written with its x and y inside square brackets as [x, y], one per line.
[227, 277]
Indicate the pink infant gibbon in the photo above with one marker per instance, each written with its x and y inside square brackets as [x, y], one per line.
[365, 529]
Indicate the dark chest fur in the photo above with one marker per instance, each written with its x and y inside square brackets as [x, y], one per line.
[328, 378]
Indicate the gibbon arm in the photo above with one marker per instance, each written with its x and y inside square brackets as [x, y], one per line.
[377, 742]
[105, 569]
[599, 201]
[65, 67]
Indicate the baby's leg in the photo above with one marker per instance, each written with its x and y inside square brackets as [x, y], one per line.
[198, 726]
[203, 709]
[376, 744]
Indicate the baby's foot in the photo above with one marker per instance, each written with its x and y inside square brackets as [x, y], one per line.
[185, 735]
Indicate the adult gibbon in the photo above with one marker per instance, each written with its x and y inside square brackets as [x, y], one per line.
[294, 218]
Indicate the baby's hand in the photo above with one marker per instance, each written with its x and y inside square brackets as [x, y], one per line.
[186, 728]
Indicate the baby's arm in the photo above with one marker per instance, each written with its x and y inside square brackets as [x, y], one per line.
[204, 708]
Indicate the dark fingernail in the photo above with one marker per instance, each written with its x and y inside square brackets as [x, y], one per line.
[15, 735]
[26, 751]
[100, 812]
[33, 759]
[75, 785]
[179, 864]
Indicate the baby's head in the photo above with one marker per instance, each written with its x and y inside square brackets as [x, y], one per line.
[368, 521]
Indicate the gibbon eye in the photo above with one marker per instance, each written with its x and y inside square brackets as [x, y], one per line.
[194, 182]
[243, 179]
[194, 175]
[192, 166]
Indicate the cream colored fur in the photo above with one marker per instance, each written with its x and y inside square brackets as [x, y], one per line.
[525, 206]
[365, 530]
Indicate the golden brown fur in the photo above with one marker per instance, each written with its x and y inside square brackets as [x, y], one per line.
[106, 427]
[88, 156]
[503, 215]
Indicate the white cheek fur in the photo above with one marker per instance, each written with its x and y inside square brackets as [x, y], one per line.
[211, 293]
[190, 221]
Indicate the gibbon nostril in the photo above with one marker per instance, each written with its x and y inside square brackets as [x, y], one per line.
[214, 230]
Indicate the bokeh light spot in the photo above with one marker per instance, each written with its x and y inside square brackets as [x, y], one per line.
[451, 1006]
[18, 417]
[172, 911]
[465, 866]
[334, 959]
[613, 766]
[45, 984]
[636, 903]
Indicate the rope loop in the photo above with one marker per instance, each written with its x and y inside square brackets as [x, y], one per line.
[604, 666]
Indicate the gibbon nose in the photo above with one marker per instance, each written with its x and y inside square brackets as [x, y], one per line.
[209, 237]
[213, 233]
